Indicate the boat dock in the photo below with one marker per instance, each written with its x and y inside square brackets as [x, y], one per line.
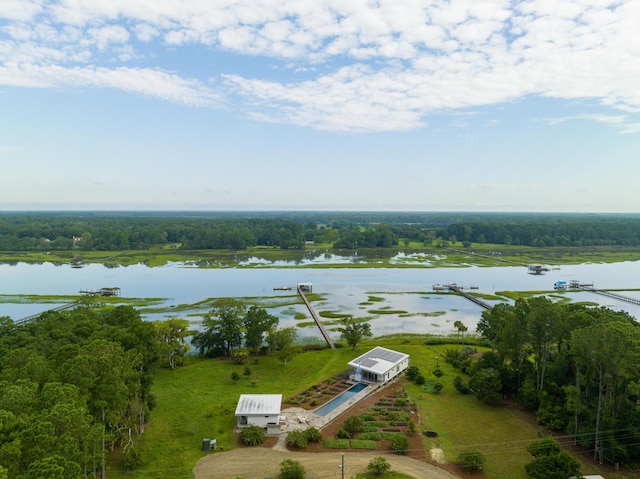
[459, 290]
[609, 294]
[305, 287]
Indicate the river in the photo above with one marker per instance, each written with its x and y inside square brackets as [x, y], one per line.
[347, 290]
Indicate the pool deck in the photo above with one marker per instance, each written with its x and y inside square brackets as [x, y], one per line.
[299, 418]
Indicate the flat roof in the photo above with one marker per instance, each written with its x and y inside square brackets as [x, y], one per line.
[379, 360]
[259, 404]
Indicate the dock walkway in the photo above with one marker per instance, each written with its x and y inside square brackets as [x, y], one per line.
[611, 295]
[470, 297]
[324, 332]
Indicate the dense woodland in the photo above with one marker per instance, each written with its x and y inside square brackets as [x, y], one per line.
[291, 230]
[74, 385]
[577, 367]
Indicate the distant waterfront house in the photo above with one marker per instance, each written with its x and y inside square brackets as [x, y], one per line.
[378, 365]
[260, 409]
[305, 287]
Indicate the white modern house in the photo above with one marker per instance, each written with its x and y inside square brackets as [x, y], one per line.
[378, 365]
[260, 409]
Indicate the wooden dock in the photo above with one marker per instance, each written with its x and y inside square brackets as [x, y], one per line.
[470, 297]
[609, 294]
[34, 316]
[324, 332]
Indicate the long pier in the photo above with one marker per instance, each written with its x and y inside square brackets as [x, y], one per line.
[34, 316]
[611, 295]
[324, 332]
[473, 299]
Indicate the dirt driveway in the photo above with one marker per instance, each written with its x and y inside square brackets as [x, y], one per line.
[262, 463]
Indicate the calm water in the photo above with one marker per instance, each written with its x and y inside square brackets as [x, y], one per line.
[338, 400]
[407, 289]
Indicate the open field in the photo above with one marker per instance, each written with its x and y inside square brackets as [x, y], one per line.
[199, 399]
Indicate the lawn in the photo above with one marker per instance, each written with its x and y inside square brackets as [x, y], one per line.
[198, 401]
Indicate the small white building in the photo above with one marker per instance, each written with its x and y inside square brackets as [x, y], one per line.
[378, 365]
[260, 409]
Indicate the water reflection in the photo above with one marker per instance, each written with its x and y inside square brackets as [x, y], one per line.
[405, 300]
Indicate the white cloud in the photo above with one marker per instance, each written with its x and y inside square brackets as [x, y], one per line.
[381, 65]
[21, 10]
[106, 36]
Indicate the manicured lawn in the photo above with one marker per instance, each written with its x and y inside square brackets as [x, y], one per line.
[198, 401]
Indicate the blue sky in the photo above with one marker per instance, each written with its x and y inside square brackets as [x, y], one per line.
[421, 105]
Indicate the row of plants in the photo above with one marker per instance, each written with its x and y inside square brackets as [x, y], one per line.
[319, 393]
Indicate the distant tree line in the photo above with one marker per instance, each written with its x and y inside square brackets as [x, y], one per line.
[118, 232]
[577, 367]
[557, 232]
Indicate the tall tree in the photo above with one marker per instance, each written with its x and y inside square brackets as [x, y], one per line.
[223, 328]
[257, 323]
[281, 341]
[171, 334]
[543, 320]
[353, 331]
[608, 354]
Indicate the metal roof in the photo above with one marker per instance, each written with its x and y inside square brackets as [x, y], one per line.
[259, 404]
[378, 360]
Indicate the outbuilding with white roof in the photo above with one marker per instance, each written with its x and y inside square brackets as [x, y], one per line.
[260, 409]
[378, 365]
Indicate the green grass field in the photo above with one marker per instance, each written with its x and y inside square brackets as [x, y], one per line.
[198, 401]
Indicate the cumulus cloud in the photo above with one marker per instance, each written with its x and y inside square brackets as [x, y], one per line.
[356, 65]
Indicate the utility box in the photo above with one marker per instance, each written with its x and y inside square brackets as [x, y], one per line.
[213, 444]
[206, 444]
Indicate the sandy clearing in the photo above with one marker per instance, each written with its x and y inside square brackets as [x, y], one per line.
[261, 463]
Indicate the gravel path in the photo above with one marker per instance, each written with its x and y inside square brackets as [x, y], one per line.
[262, 463]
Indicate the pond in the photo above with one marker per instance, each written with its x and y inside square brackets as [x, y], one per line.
[396, 300]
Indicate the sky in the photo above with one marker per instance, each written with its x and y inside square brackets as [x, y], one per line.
[376, 105]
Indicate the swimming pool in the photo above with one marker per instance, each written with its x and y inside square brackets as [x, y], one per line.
[341, 399]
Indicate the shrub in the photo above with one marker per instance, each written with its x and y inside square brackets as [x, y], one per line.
[412, 425]
[437, 387]
[297, 438]
[364, 444]
[412, 372]
[419, 380]
[471, 461]
[354, 424]
[343, 434]
[399, 402]
[252, 435]
[400, 443]
[467, 351]
[438, 373]
[292, 469]
[370, 436]
[461, 386]
[379, 465]
[247, 371]
[235, 376]
[313, 434]
[336, 443]
[128, 461]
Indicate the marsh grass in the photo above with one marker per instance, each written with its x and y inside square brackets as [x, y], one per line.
[433, 257]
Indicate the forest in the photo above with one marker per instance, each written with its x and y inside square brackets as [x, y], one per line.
[119, 231]
[74, 385]
[576, 367]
